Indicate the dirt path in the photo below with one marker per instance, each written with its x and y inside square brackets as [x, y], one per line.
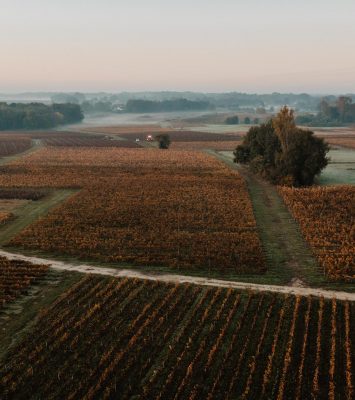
[119, 273]
[289, 258]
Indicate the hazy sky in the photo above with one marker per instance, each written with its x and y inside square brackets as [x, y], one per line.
[206, 45]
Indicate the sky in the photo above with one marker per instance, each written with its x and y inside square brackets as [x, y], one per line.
[199, 45]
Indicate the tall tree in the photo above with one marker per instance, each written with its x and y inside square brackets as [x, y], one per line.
[284, 125]
[283, 153]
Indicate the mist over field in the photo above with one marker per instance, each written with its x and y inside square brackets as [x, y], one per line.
[177, 199]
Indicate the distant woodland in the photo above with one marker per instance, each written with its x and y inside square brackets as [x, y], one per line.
[331, 113]
[142, 106]
[38, 115]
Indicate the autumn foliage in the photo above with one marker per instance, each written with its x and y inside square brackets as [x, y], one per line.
[326, 216]
[16, 277]
[129, 338]
[183, 210]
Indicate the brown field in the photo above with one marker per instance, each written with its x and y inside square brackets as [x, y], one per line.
[326, 216]
[184, 210]
[107, 338]
[13, 145]
[16, 277]
[127, 129]
[343, 141]
[87, 141]
[131, 132]
[4, 216]
[185, 136]
[223, 145]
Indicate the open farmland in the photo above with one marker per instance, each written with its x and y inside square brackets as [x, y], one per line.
[184, 136]
[66, 140]
[177, 209]
[16, 277]
[327, 220]
[127, 129]
[13, 145]
[218, 145]
[109, 338]
[342, 141]
[23, 193]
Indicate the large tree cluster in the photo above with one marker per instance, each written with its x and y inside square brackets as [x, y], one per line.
[38, 115]
[283, 153]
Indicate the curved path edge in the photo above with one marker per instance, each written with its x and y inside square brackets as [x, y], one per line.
[174, 278]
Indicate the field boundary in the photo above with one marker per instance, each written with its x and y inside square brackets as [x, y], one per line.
[31, 212]
[175, 278]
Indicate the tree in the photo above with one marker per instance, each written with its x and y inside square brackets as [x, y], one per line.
[247, 120]
[232, 120]
[284, 125]
[283, 153]
[163, 140]
[37, 115]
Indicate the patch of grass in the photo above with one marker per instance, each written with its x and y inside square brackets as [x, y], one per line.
[288, 255]
[341, 168]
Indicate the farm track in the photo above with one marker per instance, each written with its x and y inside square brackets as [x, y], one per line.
[289, 258]
[36, 145]
[172, 278]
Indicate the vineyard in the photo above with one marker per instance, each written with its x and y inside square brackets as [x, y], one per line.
[326, 216]
[16, 277]
[184, 136]
[88, 141]
[109, 338]
[222, 145]
[4, 217]
[13, 145]
[23, 194]
[182, 210]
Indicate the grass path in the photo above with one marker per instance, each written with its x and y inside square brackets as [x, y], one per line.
[36, 144]
[289, 258]
[31, 212]
[18, 317]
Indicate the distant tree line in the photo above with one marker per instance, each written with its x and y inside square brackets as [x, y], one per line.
[234, 120]
[38, 115]
[331, 113]
[143, 106]
[283, 153]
